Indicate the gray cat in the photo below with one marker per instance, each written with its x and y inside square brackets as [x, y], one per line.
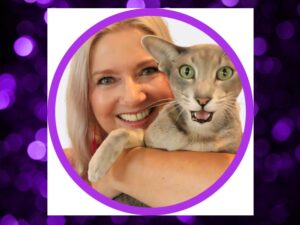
[204, 115]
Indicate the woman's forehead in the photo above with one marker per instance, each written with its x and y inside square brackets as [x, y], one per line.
[118, 49]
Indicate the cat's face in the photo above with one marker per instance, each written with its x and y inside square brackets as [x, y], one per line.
[203, 79]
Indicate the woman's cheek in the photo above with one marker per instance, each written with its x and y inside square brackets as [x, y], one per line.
[164, 87]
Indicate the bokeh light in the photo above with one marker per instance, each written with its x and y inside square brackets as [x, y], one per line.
[40, 203]
[41, 135]
[273, 162]
[282, 130]
[9, 219]
[287, 163]
[186, 219]
[260, 46]
[46, 17]
[279, 214]
[262, 147]
[135, 4]
[152, 3]
[268, 65]
[24, 46]
[43, 188]
[36, 150]
[30, 1]
[297, 153]
[14, 142]
[56, 220]
[6, 99]
[7, 81]
[285, 30]
[22, 222]
[39, 179]
[40, 110]
[230, 3]
[7, 90]
[119, 220]
[44, 3]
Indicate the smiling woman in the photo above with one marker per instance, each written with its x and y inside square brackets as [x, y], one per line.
[115, 83]
[124, 85]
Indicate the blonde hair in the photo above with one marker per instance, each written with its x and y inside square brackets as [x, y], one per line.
[81, 121]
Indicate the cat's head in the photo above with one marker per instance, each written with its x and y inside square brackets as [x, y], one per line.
[202, 77]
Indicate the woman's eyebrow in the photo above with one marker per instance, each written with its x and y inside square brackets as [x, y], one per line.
[141, 64]
[146, 63]
[105, 71]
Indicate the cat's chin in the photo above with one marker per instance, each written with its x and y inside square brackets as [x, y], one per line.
[201, 116]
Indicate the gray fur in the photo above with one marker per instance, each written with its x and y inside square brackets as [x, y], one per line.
[174, 128]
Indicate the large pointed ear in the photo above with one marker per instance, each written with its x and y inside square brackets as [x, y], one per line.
[162, 51]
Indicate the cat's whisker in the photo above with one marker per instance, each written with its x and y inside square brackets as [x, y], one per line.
[231, 105]
[179, 114]
[180, 92]
[229, 113]
[220, 101]
[160, 102]
[171, 109]
[187, 101]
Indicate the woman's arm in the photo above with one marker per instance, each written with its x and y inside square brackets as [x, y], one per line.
[160, 178]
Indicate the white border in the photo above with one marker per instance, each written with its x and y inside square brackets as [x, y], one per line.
[64, 196]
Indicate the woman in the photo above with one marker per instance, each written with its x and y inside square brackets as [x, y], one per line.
[113, 80]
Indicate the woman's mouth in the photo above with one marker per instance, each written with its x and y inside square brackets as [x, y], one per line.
[133, 117]
[141, 119]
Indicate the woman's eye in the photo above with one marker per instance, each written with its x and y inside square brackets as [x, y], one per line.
[106, 81]
[149, 70]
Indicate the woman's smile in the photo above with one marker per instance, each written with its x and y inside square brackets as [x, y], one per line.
[139, 119]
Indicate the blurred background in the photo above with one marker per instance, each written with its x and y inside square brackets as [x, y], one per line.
[23, 111]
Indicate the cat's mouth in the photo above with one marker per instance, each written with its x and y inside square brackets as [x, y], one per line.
[202, 116]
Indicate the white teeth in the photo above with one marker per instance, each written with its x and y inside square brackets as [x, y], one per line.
[135, 117]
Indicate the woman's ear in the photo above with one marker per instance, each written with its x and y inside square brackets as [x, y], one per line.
[162, 51]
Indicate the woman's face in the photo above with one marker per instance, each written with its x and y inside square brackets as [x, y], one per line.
[125, 82]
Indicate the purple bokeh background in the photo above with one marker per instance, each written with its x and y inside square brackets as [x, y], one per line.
[23, 113]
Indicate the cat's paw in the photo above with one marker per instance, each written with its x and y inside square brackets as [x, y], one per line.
[110, 149]
[106, 155]
[97, 168]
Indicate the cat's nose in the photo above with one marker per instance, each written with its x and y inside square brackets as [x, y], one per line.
[203, 101]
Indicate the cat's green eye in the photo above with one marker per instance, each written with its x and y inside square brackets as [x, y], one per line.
[186, 72]
[224, 73]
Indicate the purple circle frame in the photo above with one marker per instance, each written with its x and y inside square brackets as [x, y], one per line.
[52, 120]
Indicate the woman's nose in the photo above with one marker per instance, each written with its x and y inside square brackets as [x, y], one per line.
[133, 93]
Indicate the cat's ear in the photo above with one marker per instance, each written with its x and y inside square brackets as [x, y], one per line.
[161, 50]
